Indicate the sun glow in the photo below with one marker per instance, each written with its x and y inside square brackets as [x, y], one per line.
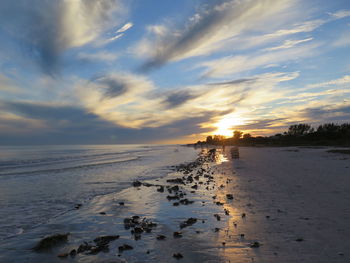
[227, 124]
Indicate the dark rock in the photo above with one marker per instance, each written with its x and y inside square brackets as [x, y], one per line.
[121, 203]
[72, 253]
[104, 240]
[227, 212]
[188, 222]
[161, 237]
[137, 184]
[219, 203]
[176, 204]
[83, 247]
[217, 217]
[242, 235]
[77, 206]
[62, 255]
[125, 247]
[178, 255]
[229, 196]
[255, 244]
[300, 239]
[177, 234]
[50, 242]
[102, 213]
[243, 215]
[176, 181]
[160, 189]
[186, 202]
[194, 186]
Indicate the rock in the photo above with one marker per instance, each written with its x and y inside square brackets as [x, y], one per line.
[137, 230]
[83, 247]
[147, 252]
[102, 213]
[255, 244]
[103, 240]
[147, 184]
[125, 247]
[160, 189]
[174, 197]
[188, 222]
[72, 253]
[161, 237]
[243, 215]
[137, 184]
[121, 203]
[216, 229]
[62, 255]
[229, 196]
[186, 202]
[50, 242]
[177, 234]
[300, 239]
[178, 255]
[77, 206]
[194, 186]
[176, 181]
[176, 204]
[219, 203]
[242, 235]
[217, 217]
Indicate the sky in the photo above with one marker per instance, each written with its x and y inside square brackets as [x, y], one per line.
[151, 71]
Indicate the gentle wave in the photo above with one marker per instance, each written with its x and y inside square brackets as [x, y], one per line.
[71, 168]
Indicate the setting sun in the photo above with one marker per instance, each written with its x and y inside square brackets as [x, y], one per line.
[227, 124]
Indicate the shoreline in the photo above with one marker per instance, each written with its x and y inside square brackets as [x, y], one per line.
[273, 214]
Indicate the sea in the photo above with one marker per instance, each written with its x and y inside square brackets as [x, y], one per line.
[39, 183]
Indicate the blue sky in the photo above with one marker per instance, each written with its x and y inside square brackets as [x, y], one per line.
[114, 71]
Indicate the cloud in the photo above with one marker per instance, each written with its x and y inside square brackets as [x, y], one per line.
[340, 14]
[124, 28]
[205, 30]
[98, 56]
[48, 28]
[289, 44]
[343, 40]
[229, 65]
[341, 81]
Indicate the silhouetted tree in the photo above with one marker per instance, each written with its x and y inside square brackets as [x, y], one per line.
[237, 135]
[299, 129]
[247, 136]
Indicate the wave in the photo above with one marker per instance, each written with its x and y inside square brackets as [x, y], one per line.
[57, 170]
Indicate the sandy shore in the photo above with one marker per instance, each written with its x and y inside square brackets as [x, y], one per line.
[293, 203]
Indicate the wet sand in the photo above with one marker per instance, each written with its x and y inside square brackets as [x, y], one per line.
[289, 205]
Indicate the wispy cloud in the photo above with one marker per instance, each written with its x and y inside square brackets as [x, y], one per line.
[235, 64]
[206, 29]
[99, 56]
[341, 81]
[51, 27]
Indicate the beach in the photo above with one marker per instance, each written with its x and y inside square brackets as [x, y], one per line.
[287, 204]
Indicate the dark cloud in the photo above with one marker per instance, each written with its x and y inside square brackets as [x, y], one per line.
[72, 125]
[233, 82]
[114, 87]
[327, 113]
[45, 29]
[177, 98]
[261, 124]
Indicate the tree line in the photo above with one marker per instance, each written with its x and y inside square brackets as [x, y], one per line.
[298, 134]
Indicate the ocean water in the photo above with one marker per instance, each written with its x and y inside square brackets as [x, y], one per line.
[38, 183]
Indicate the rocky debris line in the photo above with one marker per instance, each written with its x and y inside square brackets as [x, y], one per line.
[99, 244]
[139, 226]
[49, 242]
[188, 222]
